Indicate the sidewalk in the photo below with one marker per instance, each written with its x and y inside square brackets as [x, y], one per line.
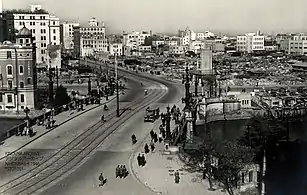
[158, 173]
[15, 143]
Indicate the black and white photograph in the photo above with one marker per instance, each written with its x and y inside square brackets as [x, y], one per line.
[153, 97]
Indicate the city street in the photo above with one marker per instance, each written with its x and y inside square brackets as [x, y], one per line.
[116, 150]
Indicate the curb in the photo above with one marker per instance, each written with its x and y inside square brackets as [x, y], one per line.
[56, 127]
[132, 157]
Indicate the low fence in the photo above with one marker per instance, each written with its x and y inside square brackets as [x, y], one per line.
[17, 130]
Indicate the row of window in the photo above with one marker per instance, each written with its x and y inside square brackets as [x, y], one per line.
[21, 83]
[9, 54]
[9, 70]
[92, 29]
[9, 98]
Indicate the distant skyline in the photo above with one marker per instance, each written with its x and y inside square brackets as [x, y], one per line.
[227, 16]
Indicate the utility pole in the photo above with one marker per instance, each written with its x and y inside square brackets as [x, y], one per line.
[50, 87]
[117, 94]
[57, 77]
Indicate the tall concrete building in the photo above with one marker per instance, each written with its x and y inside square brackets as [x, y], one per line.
[45, 29]
[67, 35]
[206, 61]
[91, 39]
[297, 45]
[250, 42]
[18, 73]
[135, 39]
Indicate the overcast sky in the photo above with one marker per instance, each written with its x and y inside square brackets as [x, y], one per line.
[170, 15]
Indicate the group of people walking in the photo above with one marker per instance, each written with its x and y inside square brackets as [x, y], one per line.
[120, 171]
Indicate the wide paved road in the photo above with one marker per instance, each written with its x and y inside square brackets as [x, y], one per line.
[115, 150]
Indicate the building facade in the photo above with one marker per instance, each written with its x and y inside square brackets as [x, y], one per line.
[67, 35]
[18, 73]
[116, 49]
[135, 39]
[250, 43]
[45, 29]
[90, 39]
[298, 45]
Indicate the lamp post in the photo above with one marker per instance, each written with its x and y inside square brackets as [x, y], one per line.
[168, 124]
[117, 93]
[27, 110]
[17, 82]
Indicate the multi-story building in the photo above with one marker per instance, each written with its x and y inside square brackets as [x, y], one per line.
[196, 46]
[7, 31]
[45, 29]
[144, 48]
[156, 43]
[185, 41]
[135, 39]
[200, 36]
[67, 35]
[298, 45]
[250, 42]
[116, 49]
[18, 73]
[91, 39]
[180, 50]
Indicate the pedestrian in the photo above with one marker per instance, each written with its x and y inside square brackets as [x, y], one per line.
[161, 128]
[152, 134]
[155, 138]
[152, 146]
[125, 171]
[117, 173]
[146, 148]
[101, 179]
[139, 159]
[163, 134]
[121, 171]
[143, 160]
[160, 137]
[177, 177]
[163, 121]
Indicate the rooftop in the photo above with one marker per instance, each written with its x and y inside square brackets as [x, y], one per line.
[25, 11]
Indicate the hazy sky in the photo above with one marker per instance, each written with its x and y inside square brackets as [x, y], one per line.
[170, 15]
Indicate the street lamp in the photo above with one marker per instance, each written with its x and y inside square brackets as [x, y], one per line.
[117, 93]
[27, 110]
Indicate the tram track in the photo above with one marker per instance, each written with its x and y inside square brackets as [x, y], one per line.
[74, 152]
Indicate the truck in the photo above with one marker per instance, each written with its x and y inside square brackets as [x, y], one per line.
[151, 114]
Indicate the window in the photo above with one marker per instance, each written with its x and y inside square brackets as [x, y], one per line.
[21, 41]
[29, 81]
[54, 38]
[9, 70]
[43, 59]
[20, 69]
[9, 99]
[22, 84]
[54, 31]
[1, 97]
[9, 55]
[250, 176]
[10, 84]
[22, 98]
[242, 177]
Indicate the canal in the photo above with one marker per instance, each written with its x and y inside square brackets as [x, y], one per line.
[286, 167]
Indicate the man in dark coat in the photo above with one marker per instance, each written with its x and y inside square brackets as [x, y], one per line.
[139, 159]
[146, 148]
[152, 134]
[143, 160]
